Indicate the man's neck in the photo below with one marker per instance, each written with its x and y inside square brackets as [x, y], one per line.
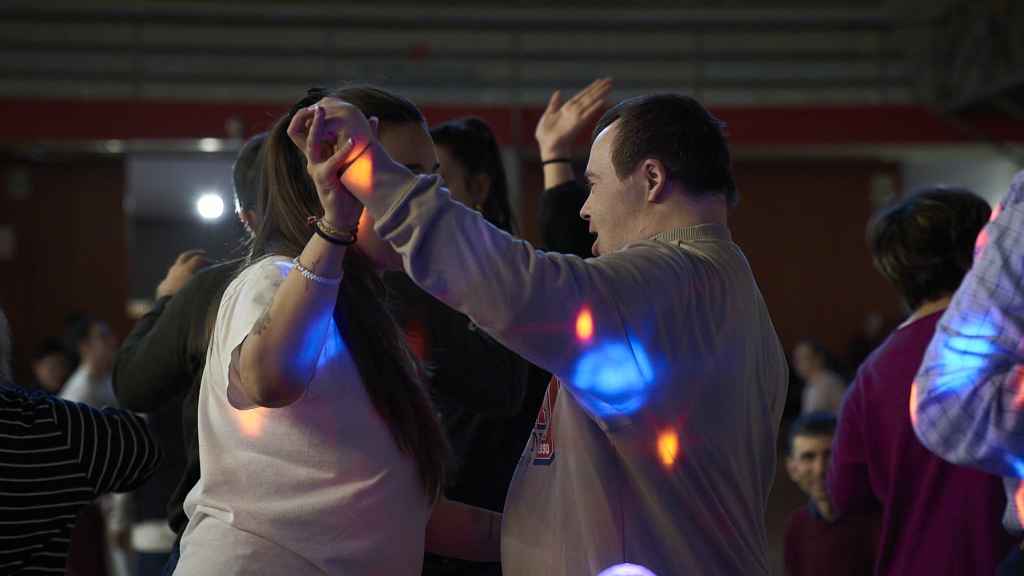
[683, 211]
[824, 508]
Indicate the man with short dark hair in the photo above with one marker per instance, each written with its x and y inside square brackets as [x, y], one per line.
[161, 362]
[656, 442]
[816, 542]
[939, 518]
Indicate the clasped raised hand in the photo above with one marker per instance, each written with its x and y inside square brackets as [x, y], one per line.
[332, 135]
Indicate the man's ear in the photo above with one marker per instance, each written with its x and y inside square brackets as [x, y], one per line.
[655, 178]
[374, 126]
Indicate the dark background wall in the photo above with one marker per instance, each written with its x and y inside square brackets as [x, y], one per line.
[69, 253]
[155, 244]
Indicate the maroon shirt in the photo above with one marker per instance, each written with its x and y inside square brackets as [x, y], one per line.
[937, 518]
[814, 547]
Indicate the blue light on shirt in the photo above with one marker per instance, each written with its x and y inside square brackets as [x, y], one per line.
[613, 379]
[964, 353]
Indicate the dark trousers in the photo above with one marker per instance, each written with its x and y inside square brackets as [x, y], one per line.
[438, 566]
[1013, 565]
[172, 560]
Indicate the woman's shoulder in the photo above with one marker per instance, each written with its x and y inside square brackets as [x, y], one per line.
[268, 271]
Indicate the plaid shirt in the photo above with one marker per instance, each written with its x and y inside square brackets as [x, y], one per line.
[967, 403]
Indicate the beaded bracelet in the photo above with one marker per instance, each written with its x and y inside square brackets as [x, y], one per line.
[309, 275]
[324, 230]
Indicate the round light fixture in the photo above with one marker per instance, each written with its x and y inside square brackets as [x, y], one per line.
[210, 206]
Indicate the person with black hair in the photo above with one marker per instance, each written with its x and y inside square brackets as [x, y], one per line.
[51, 365]
[656, 444]
[477, 386]
[938, 518]
[472, 168]
[159, 366]
[815, 542]
[562, 230]
[823, 388]
[96, 345]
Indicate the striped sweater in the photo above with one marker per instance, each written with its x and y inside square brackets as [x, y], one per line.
[57, 456]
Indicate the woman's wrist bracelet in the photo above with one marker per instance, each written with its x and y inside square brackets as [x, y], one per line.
[325, 230]
[311, 276]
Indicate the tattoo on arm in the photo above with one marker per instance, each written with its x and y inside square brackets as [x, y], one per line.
[263, 323]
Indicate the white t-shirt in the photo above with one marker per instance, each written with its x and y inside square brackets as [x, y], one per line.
[82, 387]
[823, 392]
[318, 486]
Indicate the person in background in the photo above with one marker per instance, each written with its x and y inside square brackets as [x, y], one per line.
[657, 441]
[562, 229]
[966, 402]
[815, 542]
[823, 388]
[159, 367]
[477, 386]
[56, 457]
[938, 518]
[91, 382]
[51, 365]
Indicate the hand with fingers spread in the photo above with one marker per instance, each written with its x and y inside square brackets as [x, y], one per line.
[332, 134]
[183, 269]
[561, 122]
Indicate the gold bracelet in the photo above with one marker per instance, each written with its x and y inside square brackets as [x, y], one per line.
[328, 228]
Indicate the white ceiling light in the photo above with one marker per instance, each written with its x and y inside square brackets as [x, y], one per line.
[210, 206]
[210, 145]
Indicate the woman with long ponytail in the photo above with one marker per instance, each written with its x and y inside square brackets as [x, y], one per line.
[320, 451]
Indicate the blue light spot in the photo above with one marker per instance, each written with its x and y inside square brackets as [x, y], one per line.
[1016, 464]
[966, 352]
[613, 378]
[333, 347]
[312, 348]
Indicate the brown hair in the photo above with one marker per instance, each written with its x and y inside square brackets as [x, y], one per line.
[924, 244]
[390, 373]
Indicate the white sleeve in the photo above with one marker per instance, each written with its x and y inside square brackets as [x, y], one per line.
[245, 301]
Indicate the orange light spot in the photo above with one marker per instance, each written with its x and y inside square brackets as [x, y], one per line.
[1018, 399]
[668, 447]
[913, 403]
[584, 325]
[359, 176]
[250, 422]
[996, 211]
[981, 242]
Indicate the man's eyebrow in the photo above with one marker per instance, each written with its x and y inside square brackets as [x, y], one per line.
[591, 175]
